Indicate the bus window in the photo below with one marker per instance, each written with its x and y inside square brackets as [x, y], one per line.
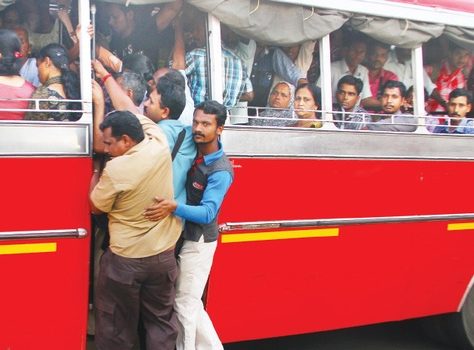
[277, 72]
[133, 30]
[41, 69]
[448, 66]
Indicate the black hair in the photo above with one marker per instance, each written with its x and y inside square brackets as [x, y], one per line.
[454, 47]
[351, 80]
[460, 93]
[175, 76]
[351, 38]
[123, 123]
[393, 84]
[139, 63]
[59, 57]
[172, 93]
[374, 43]
[314, 90]
[134, 82]
[9, 48]
[213, 107]
[410, 91]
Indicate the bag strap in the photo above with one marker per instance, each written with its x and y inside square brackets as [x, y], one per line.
[178, 144]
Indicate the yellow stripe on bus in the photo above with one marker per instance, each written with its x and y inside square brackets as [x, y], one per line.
[276, 235]
[33, 248]
[461, 226]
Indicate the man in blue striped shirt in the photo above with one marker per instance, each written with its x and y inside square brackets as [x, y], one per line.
[234, 75]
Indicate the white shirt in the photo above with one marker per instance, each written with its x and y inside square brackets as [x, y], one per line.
[340, 69]
[186, 116]
[29, 71]
[404, 72]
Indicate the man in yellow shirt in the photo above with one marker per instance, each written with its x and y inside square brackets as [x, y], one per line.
[138, 271]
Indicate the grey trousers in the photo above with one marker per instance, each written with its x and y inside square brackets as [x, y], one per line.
[129, 287]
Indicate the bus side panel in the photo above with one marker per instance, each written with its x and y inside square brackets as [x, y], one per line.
[364, 274]
[45, 280]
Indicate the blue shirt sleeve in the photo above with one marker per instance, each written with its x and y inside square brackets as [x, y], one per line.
[217, 185]
[285, 67]
[469, 128]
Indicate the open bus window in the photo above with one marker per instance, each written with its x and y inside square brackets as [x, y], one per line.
[276, 73]
[448, 67]
[38, 78]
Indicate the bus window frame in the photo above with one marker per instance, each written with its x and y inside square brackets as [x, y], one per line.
[418, 89]
[214, 58]
[68, 139]
[326, 89]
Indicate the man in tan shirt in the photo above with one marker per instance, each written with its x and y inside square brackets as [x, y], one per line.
[138, 271]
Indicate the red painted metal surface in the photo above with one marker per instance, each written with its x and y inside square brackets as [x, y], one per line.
[44, 295]
[368, 274]
[458, 5]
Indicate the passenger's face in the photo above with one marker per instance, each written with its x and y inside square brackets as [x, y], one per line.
[403, 55]
[347, 97]
[280, 96]
[25, 44]
[199, 34]
[205, 129]
[459, 58]
[113, 146]
[153, 109]
[377, 57]
[119, 21]
[458, 108]
[392, 100]
[356, 53]
[305, 103]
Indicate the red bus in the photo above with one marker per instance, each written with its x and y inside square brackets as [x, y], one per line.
[322, 229]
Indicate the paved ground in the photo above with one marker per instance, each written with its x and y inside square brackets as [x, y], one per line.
[390, 336]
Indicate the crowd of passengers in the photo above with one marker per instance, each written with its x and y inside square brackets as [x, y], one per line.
[372, 83]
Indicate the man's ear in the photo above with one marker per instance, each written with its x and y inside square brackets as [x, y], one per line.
[166, 112]
[128, 141]
[469, 106]
[220, 129]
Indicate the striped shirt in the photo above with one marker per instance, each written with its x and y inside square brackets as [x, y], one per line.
[235, 79]
[355, 120]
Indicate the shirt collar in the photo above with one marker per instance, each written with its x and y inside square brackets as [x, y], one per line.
[170, 122]
[138, 147]
[346, 69]
[212, 157]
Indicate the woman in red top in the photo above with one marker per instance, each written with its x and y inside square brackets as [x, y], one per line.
[12, 85]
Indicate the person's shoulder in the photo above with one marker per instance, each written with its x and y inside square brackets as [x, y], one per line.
[28, 86]
[337, 64]
[198, 51]
[359, 109]
[171, 127]
[229, 52]
[150, 127]
[362, 69]
[390, 75]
